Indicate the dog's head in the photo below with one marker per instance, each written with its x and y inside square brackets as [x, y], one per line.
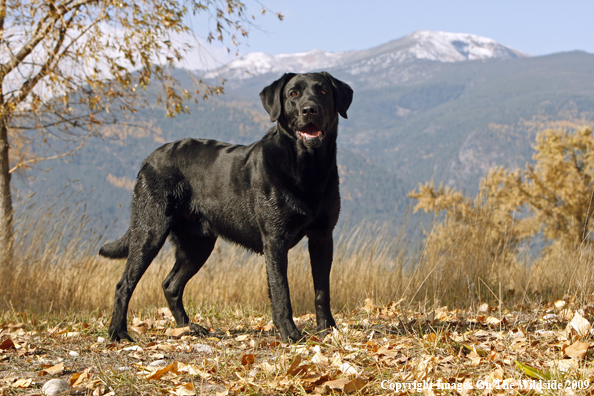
[307, 105]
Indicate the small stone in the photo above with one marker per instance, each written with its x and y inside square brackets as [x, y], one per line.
[55, 387]
[73, 353]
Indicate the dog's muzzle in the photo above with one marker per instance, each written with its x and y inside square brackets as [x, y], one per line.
[311, 135]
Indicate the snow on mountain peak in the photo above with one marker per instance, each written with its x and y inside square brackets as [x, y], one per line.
[456, 47]
[257, 63]
[420, 45]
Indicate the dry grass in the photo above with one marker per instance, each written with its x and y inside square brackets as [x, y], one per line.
[388, 301]
[56, 268]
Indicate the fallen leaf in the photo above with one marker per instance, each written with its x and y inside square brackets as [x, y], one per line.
[159, 373]
[248, 360]
[143, 323]
[192, 370]
[577, 350]
[140, 329]
[348, 369]
[77, 379]
[7, 344]
[496, 375]
[336, 360]
[165, 313]
[532, 372]
[346, 385]
[294, 365]
[22, 383]
[58, 369]
[163, 347]
[319, 358]
[475, 358]
[178, 332]
[355, 385]
[579, 324]
[269, 368]
[431, 337]
[242, 337]
[384, 351]
[315, 379]
[184, 390]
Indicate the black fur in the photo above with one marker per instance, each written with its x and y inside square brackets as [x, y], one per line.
[265, 197]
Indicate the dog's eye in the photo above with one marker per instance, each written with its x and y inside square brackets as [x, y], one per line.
[293, 93]
[323, 92]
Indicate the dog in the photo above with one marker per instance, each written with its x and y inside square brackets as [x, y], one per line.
[266, 197]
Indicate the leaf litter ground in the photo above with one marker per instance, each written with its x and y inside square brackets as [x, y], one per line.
[538, 349]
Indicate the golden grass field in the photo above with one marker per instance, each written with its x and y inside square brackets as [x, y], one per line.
[409, 315]
[56, 267]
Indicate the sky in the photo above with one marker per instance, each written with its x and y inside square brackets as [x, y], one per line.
[535, 27]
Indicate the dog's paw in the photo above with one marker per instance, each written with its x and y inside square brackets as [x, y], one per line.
[118, 336]
[198, 330]
[294, 337]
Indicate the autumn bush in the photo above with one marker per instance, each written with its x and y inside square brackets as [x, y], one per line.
[488, 239]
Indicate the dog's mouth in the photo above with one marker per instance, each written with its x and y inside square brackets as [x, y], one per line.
[310, 132]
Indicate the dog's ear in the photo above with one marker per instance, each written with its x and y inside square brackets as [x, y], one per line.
[343, 94]
[271, 96]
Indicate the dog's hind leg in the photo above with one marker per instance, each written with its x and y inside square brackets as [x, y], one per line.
[191, 253]
[145, 243]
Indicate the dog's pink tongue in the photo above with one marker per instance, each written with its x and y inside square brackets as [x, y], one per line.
[311, 131]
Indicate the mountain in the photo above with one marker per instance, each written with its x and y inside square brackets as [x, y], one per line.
[430, 105]
[421, 45]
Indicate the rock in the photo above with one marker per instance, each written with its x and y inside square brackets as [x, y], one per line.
[55, 387]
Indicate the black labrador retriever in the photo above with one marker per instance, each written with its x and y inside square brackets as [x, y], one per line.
[265, 197]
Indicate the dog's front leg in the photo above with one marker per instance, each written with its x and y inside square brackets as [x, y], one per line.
[278, 288]
[320, 253]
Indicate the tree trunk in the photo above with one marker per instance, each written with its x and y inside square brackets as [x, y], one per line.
[6, 220]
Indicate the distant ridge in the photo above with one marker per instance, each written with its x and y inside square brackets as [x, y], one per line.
[421, 45]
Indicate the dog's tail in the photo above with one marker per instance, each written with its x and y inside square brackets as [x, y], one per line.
[117, 249]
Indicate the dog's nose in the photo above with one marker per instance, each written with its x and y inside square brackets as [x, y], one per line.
[309, 110]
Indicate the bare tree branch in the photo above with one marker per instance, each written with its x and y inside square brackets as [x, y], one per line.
[41, 30]
[57, 156]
